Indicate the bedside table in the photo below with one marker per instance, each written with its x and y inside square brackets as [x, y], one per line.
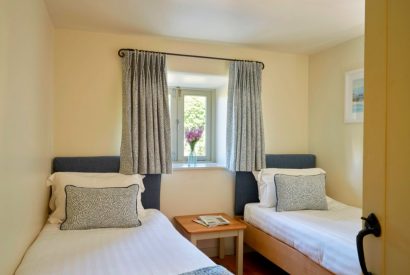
[194, 232]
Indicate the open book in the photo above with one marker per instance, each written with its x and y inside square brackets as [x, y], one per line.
[211, 221]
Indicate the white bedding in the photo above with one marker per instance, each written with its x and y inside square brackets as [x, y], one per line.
[327, 237]
[153, 248]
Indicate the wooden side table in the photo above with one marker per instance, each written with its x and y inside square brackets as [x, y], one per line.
[194, 232]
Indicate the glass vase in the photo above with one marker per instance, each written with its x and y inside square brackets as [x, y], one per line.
[192, 159]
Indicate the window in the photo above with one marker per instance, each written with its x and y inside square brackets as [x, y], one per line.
[190, 109]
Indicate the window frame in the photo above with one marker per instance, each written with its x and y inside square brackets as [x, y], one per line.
[177, 122]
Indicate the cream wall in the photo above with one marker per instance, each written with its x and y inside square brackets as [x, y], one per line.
[26, 83]
[338, 146]
[88, 106]
[88, 102]
[199, 191]
[88, 89]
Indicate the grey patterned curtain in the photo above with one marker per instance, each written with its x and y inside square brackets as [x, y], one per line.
[245, 138]
[146, 140]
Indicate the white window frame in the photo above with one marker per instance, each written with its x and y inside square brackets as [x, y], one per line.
[177, 122]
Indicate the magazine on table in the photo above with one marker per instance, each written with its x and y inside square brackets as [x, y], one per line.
[211, 221]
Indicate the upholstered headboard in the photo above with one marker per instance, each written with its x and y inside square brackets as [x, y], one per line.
[246, 188]
[150, 198]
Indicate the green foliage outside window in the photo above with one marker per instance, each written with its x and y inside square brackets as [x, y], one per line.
[195, 117]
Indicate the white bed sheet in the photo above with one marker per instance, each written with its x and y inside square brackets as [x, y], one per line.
[326, 237]
[153, 248]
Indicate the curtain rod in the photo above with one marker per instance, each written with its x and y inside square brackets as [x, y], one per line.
[121, 54]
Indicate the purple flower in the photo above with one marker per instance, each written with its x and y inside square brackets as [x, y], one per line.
[193, 135]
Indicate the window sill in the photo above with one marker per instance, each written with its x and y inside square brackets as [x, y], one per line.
[178, 166]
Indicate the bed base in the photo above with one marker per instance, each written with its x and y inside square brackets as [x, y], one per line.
[281, 254]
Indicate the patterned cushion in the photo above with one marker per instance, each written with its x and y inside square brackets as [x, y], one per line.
[210, 270]
[300, 192]
[110, 207]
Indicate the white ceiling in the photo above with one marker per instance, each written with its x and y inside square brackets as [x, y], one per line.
[299, 26]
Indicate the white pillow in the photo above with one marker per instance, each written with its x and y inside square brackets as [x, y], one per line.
[59, 180]
[266, 182]
[256, 174]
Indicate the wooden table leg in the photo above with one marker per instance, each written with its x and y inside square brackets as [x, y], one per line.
[239, 253]
[193, 239]
[221, 248]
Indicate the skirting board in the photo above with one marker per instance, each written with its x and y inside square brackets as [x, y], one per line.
[281, 254]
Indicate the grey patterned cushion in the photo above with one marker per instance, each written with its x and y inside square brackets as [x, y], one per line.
[210, 270]
[111, 207]
[300, 192]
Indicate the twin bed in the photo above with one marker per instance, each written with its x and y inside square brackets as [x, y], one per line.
[300, 242]
[155, 247]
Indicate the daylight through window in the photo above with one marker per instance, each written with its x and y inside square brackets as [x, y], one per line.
[192, 115]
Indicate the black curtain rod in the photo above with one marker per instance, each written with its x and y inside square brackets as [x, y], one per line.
[121, 54]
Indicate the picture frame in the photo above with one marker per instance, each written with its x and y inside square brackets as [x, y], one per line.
[354, 96]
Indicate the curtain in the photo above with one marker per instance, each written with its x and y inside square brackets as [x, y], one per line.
[146, 140]
[245, 137]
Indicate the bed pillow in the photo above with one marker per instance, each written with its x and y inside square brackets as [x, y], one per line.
[256, 174]
[110, 207]
[266, 182]
[300, 192]
[58, 181]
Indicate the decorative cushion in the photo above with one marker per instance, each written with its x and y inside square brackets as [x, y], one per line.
[210, 270]
[111, 207]
[266, 182]
[300, 192]
[58, 181]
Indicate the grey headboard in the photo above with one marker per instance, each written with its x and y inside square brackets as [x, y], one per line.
[246, 188]
[150, 198]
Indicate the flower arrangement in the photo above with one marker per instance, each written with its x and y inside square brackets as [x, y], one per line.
[192, 136]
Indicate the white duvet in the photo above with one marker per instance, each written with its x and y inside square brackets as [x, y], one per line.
[153, 248]
[327, 237]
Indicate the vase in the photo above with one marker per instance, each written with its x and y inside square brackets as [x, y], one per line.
[192, 159]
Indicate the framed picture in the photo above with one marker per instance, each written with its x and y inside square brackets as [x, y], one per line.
[354, 96]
